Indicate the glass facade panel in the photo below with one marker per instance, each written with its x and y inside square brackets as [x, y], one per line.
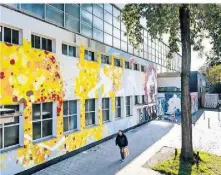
[98, 11]
[86, 17]
[98, 35]
[87, 7]
[108, 17]
[108, 39]
[58, 6]
[73, 10]
[86, 30]
[108, 7]
[98, 23]
[72, 24]
[116, 43]
[54, 16]
[35, 9]
[107, 28]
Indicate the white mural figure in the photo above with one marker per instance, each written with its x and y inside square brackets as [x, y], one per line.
[174, 103]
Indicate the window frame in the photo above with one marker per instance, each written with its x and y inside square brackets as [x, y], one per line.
[42, 37]
[142, 68]
[68, 50]
[20, 128]
[93, 55]
[138, 67]
[127, 62]
[128, 105]
[115, 58]
[118, 107]
[109, 59]
[42, 139]
[106, 109]
[11, 31]
[89, 111]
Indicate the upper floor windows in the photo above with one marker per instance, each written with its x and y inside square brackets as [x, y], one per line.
[117, 62]
[105, 59]
[41, 43]
[9, 35]
[142, 68]
[69, 50]
[127, 65]
[136, 66]
[90, 112]
[89, 55]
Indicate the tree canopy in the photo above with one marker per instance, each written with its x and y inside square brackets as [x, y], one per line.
[205, 22]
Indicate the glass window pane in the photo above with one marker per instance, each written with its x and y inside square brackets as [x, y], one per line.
[123, 36]
[72, 24]
[65, 125]
[32, 41]
[108, 17]
[86, 17]
[98, 35]
[92, 105]
[73, 122]
[108, 39]
[116, 22]
[16, 121]
[101, 5]
[49, 45]
[65, 107]
[36, 130]
[105, 115]
[11, 136]
[108, 28]
[46, 128]
[116, 12]
[15, 107]
[54, 16]
[47, 110]
[108, 7]
[116, 32]
[64, 49]
[105, 59]
[107, 103]
[0, 33]
[73, 10]
[1, 138]
[36, 114]
[87, 7]
[123, 27]
[128, 110]
[116, 43]
[98, 23]
[37, 42]
[123, 45]
[98, 11]
[72, 107]
[7, 35]
[58, 6]
[35, 9]
[15, 37]
[86, 30]
[44, 43]
[72, 51]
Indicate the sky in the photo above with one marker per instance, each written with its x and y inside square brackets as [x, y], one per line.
[196, 61]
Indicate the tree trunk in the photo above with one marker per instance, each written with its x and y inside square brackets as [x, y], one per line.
[187, 145]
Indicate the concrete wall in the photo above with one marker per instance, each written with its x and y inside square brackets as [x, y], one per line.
[30, 75]
[169, 82]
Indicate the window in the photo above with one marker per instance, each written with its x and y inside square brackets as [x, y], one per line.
[136, 66]
[105, 109]
[107, 28]
[128, 106]
[86, 30]
[86, 17]
[9, 35]
[142, 68]
[42, 120]
[116, 12]
[98, 23]
[108, 7]
[35, 9]
[69, 50]
[89, 55]
[127, 65]
[143, 99]
[136, 99]
[41, 43]
[117, 62]
[108, 17]
[73, 10]
[118, 107]
[10, 131]
[98, 11]
[90, 112]
[116, 43]
[105, 59]
[54, 15]
[116, 32]
[70, 115]
[116, 22]
[98, 35]
[72, 23]
[108, 39]
[87, 7]
[58, 6]
[124, 45]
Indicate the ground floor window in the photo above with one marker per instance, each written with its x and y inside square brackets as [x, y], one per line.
[118, 107]
[70, 115]
[128, 106]
[105, 109]
[10, 130]
[42, 120]
[90, 112]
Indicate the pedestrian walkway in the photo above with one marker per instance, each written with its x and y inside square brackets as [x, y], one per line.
[104, 159]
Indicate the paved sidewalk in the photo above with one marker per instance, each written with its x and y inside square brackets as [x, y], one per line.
[104, 159]
[204, 139]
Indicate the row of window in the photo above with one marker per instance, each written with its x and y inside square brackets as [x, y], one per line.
[43, 118]
[101, 22]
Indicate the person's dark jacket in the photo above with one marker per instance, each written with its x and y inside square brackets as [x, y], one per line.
[121, 141]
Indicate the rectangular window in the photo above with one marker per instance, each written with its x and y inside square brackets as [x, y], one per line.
[142, 68]
[34, 9]
[116, 12]
[98, 23]
[108, 17]
[128, 106]
[55, 16]
[42, 120]
[41, 43]
[124, 45]
[108, 28]
[72, 10]
[117, 62]
[136, 99]
[10, 131]
[87, 7]
[108, 39]
[116, 22]
[90, 112]
[69, 50]
[98, 11]
[116, 32]
[108, 7]
[70, 115]
[127, 65]
[72, 23]
[86, 17]
[143, 99]
[89, 55]
[116, 43]
[136, 66]
[10, 35]
[58, 6]
[86, 30]
[98, 35]
[105, 109]
[105, 59]
[118, 107]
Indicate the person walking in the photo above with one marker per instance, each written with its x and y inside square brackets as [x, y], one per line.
[122, 142]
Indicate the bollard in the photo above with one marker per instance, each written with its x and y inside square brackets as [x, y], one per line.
[209, 123]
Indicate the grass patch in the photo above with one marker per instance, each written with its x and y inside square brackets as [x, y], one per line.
[210, 165]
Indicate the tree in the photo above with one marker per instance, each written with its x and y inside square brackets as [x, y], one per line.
[214, 75]
[186, 24]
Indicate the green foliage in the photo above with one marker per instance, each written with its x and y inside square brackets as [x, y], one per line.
[164, 19]
[214, 75]
[210, 164]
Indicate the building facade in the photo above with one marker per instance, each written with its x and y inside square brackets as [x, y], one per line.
[68, 78]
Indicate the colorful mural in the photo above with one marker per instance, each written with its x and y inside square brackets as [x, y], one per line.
[210, 100]
[170, 103]
[30, 76]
